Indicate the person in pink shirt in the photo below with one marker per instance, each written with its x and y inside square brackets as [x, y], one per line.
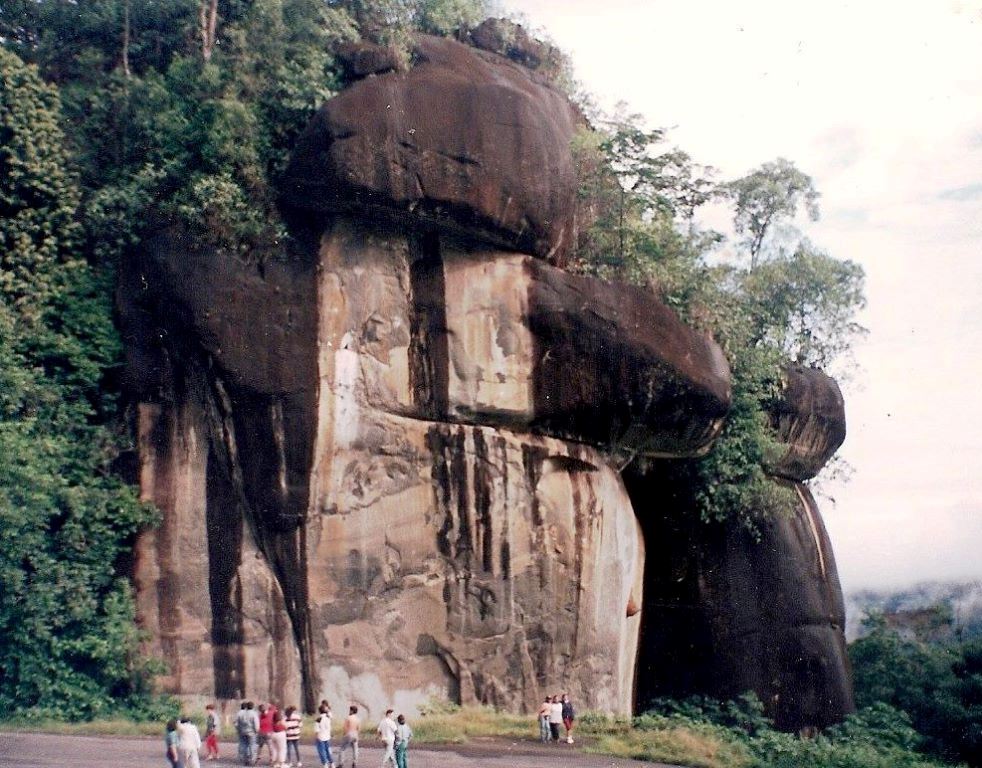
[277, 741]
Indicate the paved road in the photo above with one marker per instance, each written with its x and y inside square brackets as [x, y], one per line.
[23, 750]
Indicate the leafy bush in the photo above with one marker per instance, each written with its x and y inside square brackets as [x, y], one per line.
[878, 736]
[746, 713]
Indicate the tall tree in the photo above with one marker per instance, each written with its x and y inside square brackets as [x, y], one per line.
[766, 196]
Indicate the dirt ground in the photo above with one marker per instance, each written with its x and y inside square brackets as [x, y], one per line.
[24, 750]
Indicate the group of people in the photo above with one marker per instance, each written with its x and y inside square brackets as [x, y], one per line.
[279, 732]
[183, 740]
[556, 711]
[266, 726]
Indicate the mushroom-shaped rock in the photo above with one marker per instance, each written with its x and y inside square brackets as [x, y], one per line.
[616, 367]
[810, 421]
[466, 140]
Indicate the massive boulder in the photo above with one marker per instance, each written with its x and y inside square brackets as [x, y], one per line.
[465, 140]
[388, 456]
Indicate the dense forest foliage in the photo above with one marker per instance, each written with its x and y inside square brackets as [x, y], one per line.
[932, 676]
[66, 620]
[119, 115]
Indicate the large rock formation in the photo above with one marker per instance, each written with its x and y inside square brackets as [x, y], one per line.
[387, 458]
[728, 611]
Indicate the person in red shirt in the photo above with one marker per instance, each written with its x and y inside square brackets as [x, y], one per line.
[211, 733]
[267, 716]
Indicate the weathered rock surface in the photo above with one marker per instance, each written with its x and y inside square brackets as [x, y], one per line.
[472, 564]
[727, 613]
[810, 419]
[336, 450]
[652, 385]
[386, 457]
[465, 140]
[206, 595]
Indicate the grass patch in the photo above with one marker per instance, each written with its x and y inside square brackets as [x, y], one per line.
[679, 745]
[455, 725]
[108, 727]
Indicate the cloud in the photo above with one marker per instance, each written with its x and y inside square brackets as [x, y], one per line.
[846, 217]
[840, 147]
[969, 192]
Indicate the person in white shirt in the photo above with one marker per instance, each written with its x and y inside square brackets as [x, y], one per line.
[323, 726]
[403, 734]
[555, 717]
[189, 741]
[387, 732]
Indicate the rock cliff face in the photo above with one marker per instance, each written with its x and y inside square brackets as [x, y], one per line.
[387, 457]
[726, 613]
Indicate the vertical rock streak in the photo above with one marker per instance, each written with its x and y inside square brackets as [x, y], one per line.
[429, 356]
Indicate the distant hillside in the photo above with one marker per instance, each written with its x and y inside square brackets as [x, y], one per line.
[910, 608]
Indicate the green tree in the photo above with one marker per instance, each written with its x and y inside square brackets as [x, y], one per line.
[67, 637]
[804, 305]
[798, 307]
[766, 196]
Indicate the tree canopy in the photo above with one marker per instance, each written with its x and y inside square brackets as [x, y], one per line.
[772, 308]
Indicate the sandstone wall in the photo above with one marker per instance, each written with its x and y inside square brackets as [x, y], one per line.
[388, 454]
[343, 499]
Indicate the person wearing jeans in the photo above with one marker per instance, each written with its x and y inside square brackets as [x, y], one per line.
[323, 725]
[246, 726]
[544, 712]
[294, 723]
[403, 734]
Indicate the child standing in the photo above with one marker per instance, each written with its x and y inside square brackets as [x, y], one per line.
[294, 723]
[212, 729]
[403, 734]
[544, 711]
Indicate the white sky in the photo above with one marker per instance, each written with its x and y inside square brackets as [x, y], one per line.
[881, 102]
